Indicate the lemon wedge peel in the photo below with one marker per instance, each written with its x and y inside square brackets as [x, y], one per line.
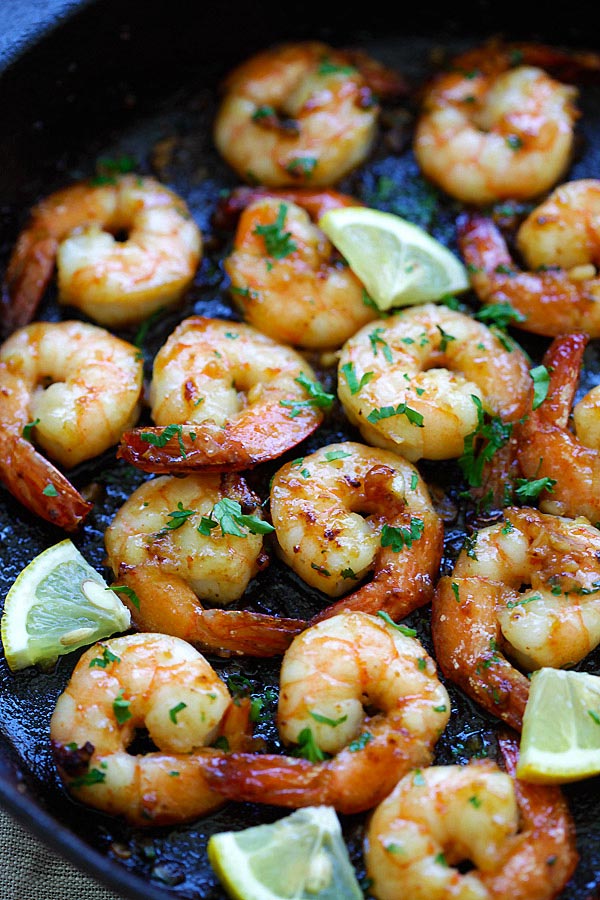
[398, 263]
[57, 604]
[560, 738]
[300, 856]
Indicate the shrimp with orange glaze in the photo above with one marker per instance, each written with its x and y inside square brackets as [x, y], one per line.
[347, 511]
[286, 279]
[225, 397]
[568, 458]
[416, 382]
[524, 591]
[301, 113]
[150, 681]
[559, 243]
[519, 838]
[180, 543]
[73, 388]
[329, 675]
[114, 282]
[495, 125]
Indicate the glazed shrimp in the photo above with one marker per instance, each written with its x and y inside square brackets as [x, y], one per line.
[73, 388]
[301, 114]
[549, 448]
[329, 673]
[180, 542]
[225, 397]
[414, 382]
[519, 837]
[285, 278]
[347, 511]
[525, 589]
[560, 242]
[491, 128]
[115, 283]
[160, 683]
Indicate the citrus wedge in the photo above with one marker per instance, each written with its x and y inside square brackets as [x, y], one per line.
[560, 740]
[57, 604]
[399, 263]
[300, 856]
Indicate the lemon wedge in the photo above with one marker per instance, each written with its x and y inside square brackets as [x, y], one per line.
[301, 856]
[560, 740]
[399, 263]
[57, 604]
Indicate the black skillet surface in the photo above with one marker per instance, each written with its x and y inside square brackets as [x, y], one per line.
[140, 79]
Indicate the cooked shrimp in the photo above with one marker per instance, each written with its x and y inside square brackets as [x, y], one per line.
[178, 542]
[301, 113]
[414, 382]
[347, 511]
[115, 283]
[285, 278]
[549, 449]
[519, 838]
[225, 397]
[73, 388]
[551, 301]
[526, 588]
[147, 681]
[495, 125]
[329, 674]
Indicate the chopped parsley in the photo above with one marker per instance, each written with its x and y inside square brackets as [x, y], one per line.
[227, 514]
[541, 381]
[481, 444]
[400, 536]
[353, 383]
[387, 412]
[278, 242]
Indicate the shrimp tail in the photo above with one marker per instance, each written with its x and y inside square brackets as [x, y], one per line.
[265, 778]
[563, 360]
[295, 782]
[547, 824]
[165, 603]
[245, 633]
[29, 271]
[39, 486]
[185, 449]
[315, 202]
[466, 637]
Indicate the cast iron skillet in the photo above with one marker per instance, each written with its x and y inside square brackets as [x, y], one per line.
[108, 78]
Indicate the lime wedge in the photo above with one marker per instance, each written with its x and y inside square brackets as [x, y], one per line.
[398, 263]
[560, 740]
[301, 856]
[57, 604]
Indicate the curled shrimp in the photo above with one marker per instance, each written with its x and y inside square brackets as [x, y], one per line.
[177, 543]
[285, 277]
[301, 113]
[150, 681]
[225, 397]
[524, 591]
[560, 242]
[347, 511]
[73, 388]
[114, 282]
[495, 125]
[520, 838]
[330, 672]
[549, 449]
[414, 383]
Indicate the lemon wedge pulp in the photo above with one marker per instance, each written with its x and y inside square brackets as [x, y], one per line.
[301, 856]
[57, 604]
[399, 263]
[560, 740]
